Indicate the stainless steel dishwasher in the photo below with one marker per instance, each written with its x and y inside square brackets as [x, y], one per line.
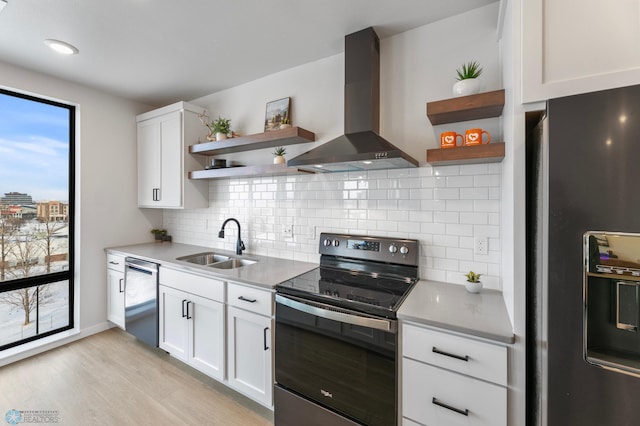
[141, 300]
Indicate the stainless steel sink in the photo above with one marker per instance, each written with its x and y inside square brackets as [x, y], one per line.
[233, 263]
[207, 258]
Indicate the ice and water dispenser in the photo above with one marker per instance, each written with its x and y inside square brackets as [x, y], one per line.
[612, 301]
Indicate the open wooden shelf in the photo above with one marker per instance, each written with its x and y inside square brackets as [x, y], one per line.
[290, 136]
[464, 108]
[488, 153]
[246, 171]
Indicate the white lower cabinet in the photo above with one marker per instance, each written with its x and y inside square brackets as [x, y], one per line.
[194, 328]
[191, 328]
[115, 289]
[449, 380]
[250, 342]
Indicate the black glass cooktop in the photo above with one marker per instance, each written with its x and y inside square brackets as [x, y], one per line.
[369, 287]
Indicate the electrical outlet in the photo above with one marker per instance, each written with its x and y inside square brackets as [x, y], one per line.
[480, 245]
[287, 230]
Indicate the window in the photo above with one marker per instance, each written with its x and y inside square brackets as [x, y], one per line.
[36, 217]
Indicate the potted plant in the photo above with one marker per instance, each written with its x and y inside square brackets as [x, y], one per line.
[468, 83]
[221, 127]
[285, 123]
[159, 234]
[473, 284]
[279, 153]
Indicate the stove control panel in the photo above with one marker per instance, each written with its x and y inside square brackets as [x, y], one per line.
[381, 249]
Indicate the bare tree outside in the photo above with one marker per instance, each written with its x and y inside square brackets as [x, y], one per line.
[8, 229]
[27, 299]
[26, 251]
[46, 235]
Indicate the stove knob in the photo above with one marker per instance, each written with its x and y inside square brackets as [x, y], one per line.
[327, 242]
[336, 243]
[336, 294]
[393, 248]
[404, 250]
[327, 292]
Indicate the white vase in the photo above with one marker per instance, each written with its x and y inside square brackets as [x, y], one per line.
[279, 159]
[221, 136]
[473, 287]
[466, 87]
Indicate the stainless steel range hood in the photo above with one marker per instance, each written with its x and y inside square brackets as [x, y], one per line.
[361, 147]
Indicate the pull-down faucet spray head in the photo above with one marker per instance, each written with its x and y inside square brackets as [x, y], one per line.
[239, 244]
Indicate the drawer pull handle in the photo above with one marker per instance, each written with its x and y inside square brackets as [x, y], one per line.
[435, 401]
[113, 263]
[247, 300]
[460, 357]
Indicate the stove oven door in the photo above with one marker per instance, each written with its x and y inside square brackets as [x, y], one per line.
[338, 361]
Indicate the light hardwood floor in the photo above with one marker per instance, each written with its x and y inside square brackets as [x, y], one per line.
[112, 379]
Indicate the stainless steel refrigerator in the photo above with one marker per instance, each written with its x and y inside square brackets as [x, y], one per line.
[583, 263]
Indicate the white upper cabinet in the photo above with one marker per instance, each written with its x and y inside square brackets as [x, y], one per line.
[164, 136]
[577, 46]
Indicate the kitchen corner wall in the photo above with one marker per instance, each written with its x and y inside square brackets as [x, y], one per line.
[445, 208]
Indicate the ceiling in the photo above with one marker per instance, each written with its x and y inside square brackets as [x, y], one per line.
[161, 51]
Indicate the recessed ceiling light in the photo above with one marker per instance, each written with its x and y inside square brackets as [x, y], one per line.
[61, 47]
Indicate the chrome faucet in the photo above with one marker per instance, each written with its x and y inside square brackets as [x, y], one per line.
[239, 244]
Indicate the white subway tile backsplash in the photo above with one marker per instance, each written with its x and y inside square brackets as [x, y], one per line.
[444, 207]
[446, 194]
[459, 181]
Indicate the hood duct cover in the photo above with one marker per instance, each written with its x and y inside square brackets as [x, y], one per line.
[361, 147]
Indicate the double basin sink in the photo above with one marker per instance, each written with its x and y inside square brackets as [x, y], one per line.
[216, 260]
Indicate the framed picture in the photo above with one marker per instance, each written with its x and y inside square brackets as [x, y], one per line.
[277, 114]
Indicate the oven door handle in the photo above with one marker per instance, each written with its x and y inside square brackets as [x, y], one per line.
[330, 312]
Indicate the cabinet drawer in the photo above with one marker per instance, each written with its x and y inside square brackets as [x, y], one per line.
[199, 285]
[250, 299]
[115, 262]
[436, 397]
[478, 359]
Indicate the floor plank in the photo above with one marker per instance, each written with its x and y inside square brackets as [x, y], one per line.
[110, 378]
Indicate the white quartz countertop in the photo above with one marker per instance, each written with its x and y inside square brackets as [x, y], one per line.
[267, 272]
[451, 307]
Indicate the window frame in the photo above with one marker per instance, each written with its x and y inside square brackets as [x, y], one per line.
[52, 277]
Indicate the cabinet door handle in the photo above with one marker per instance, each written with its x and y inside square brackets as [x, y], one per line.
[184, 315]
[247, 300]
[435, 401]
[464, 358]
[264, 336]
[188, 303]
[120, 285]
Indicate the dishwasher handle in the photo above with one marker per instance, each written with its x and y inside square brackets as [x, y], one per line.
[143, 266]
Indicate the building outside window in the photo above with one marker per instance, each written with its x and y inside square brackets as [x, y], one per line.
[36, 217]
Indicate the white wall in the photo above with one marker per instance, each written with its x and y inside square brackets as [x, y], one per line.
[443, 207]
[106, 190]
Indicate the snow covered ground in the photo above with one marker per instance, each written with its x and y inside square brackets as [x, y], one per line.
[53, 315]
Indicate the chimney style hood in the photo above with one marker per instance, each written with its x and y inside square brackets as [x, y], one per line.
[361, 147]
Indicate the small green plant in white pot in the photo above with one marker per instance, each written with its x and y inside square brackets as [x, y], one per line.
[285, 123]
[473, 284]
[278, 155]
[468, 83]
[221, 127]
